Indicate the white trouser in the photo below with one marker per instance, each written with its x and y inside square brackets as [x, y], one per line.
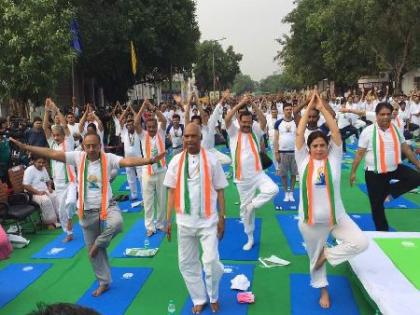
[359, 124]
[223, 158]
[66, 205]
[153, 186]
[190, 266]
[49, 206]
[247, 189]
[275, 163]
[351, 239]
[134, 173]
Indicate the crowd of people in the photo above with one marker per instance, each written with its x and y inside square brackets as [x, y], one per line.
[170, 149]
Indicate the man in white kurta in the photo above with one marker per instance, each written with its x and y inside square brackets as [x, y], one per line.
[197, 223]
[248, 173]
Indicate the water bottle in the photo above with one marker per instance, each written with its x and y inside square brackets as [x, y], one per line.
[146, 243]
[171, 308]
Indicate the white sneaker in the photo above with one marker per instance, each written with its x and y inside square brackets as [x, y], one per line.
[286, 197]
[291, 198]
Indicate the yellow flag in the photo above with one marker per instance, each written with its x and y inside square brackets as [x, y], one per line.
[133, 58]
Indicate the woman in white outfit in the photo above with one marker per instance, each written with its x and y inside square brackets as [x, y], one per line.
[321, 210]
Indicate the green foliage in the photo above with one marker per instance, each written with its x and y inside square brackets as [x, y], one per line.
[243, 83]
[344, 39]
[35, 50]
[226, 66]
[278, 82]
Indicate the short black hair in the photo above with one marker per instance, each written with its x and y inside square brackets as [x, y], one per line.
[383, 105]
[286, 104]
[314, 135]
[176, 116]
[196, 117]
[37, 118]
[62, 309]
[92, 125]
[35, 157]
[244, 113]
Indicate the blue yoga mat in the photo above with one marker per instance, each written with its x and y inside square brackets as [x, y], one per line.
[124, 187]
[126, 283]
[279, 204]
[224, 150]
[125, 206]
[289, 226]
[365, 221]
[134, 238]
[56, 249]
[227, 296]
[399, 203]
[230, 247]
[122, 171]
[17, 277]
[305, 299]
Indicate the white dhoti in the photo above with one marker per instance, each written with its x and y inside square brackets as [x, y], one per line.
[66, 205]
[134, 173]
[153, 188]
[49, 207]
[190, 266]
[223, 158]
[247, 189]
[351, 239]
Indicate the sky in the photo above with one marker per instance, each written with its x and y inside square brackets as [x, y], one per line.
[250, 26]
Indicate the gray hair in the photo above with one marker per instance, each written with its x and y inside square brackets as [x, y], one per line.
[59, 129]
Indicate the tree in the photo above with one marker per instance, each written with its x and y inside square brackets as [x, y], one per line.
[226, 66]
[165, 34]
[278, 82]
[243, 83]
[35, 50]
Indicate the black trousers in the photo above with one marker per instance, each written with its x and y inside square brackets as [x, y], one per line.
[379, 188]
[347, 132]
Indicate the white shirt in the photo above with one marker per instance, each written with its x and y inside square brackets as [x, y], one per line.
[154, 150]
[414, 109]
[36, 178]
[176, 136]
[247, 157]
[287, 134]
[194, 188]
[321, 208]
[117, 126]
[74, 129]
[100, 133]
[131, 143]
[58, 169]
[271, 121]
[93, 183]
[365, 142]
[208, 131]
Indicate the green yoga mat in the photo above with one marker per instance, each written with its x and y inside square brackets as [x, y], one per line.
[405, 254]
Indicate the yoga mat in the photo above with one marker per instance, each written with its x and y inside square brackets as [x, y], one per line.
[305, 299]
[365, 221]
[227, 296]
[134, 238]
[124, 187]
[405, 254]
[122, 171]
[289, 226]
[279, 204]
[230, 247]
[398, 203]
[126, 283]
[224, 150]
[56, 249]
[125, 206]
[17, 277]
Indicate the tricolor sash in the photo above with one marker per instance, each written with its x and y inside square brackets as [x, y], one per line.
[182, 197]
[253, 142]
[378, 147]
[83, 173]
[307, 192]
[160, 147]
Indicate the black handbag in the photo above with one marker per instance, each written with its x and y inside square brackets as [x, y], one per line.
[266, 162]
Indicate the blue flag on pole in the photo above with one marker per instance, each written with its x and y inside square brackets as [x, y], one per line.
[75, 36]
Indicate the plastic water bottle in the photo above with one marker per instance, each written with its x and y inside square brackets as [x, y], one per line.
[146, 243]
[171, 308]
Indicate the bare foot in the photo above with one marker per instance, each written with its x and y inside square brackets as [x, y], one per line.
[321, 260]
[69, 226]
[324, 300]
[215, 307]
[68, 238]
[149, 233]
[93, 251]
[197, 309]
[101, 289]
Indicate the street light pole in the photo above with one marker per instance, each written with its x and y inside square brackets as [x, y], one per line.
[214, 73]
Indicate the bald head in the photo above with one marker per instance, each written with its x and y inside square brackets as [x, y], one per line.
[192, 138]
